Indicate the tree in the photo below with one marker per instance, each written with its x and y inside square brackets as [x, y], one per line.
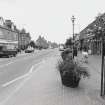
[52, 44]
[32, 44]
[42, 42]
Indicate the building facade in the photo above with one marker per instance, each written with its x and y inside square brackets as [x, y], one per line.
[24, 40]
[10, 34]
[91, 36]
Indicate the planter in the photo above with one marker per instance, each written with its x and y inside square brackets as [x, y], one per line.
[71, 73]
[70, 80]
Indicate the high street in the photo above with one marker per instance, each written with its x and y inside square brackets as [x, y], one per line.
[13, 71]
[32, 79]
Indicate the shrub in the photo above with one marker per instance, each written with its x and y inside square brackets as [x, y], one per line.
[67, 54]
[71, 72]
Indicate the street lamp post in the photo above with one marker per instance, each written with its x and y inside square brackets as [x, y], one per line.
[73, 19]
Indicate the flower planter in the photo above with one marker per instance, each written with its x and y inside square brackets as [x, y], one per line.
[71, 73]
[70, 80]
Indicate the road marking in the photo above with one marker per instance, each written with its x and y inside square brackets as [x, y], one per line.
[23, 76]
[31, 70]
[18, 78]
[14, 91]
[22, 83]
[13, 62]
[14, 80]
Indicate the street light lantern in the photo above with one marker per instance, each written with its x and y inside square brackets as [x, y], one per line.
[73, 18]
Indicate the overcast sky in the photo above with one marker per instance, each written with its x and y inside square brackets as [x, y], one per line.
[51, 18]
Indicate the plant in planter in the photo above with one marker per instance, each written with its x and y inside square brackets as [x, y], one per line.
[71, 73]
[67, 54]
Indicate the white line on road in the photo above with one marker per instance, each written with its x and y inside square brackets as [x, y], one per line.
[13, 62]
[16, 79]
[31, 70]
[23, 76]
[13, 92]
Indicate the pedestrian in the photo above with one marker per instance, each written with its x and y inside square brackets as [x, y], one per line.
[75, 52]
[85, 55]
[89, 51]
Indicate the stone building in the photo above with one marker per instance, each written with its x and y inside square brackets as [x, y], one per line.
[24, 40]
[7, 34]
[10, 34]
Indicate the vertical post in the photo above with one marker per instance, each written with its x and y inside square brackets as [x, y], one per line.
[18, 40]
[102, 67]
[73, 19]
[104, 64]
[73, 30]
[101, 23]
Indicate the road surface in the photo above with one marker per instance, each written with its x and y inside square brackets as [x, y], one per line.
[32, 79]
[13, 71]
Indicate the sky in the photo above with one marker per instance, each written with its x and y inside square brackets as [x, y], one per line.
[51, 18]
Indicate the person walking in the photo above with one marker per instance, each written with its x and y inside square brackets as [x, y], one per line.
[85, 55]
[75, 52]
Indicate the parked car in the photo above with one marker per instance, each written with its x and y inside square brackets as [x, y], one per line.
[29, 50]
[8, 49]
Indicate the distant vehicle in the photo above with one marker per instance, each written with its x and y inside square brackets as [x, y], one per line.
[8, 48]
[29, 50]
[61, 48]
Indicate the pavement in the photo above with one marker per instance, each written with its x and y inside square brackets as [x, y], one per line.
[44, 86]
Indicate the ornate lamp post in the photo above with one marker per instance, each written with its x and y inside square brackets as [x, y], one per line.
[73, 19]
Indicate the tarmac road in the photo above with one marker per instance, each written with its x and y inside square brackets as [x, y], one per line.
[13, 71]
[40, 83]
